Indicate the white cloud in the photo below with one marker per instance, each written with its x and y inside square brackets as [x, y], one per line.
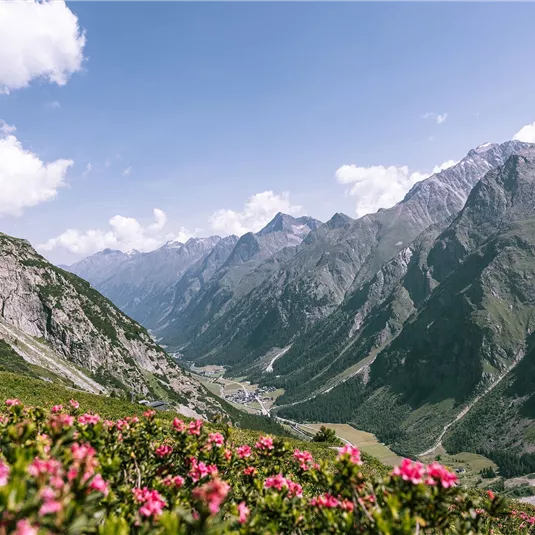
[526, 133]
[124, 233]
[38, 40]
[160, 219]
[25, 180]
[380, 186]
[257, 212]
[7, 129]
[439, 118]
[87, 170]
[53, 105]
[127, 171]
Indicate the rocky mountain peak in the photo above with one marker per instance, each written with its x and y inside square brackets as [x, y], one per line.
[290, 225]
[339, 220]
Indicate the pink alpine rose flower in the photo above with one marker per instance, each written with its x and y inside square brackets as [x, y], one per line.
[438, 473]
[198, 470]
[352, 451]
[250, 471]
[12, 402]
[49, 508]
[179, 425]
[213, 494]
[277, 482]
[153, 502]
[294, 489]
[325, 500]
[264, 443]
[89, 419]
[4, 473]
[243, 512]
[82, 451]
[195, 427]
[163, 450]
[176, 481]
[98, 484]
[244, 452]
[59, 421]
[25, 528]
[74, 404]
[410, 471]
[304, 458]
[52, 467]
[217, 439]
[152, 507]
[56, 408]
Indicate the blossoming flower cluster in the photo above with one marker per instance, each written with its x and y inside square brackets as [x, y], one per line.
[433, 474]
[73, 471]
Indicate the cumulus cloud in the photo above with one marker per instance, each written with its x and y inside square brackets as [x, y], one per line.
[257, 212]
[380, 186]
[38, 40]
[25, 180]
[526, 133]
[127, 171]
[439, 118]
[124, 234]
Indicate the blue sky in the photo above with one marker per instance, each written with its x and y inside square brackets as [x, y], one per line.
[194, 108]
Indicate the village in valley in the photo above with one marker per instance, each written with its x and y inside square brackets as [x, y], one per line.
[251, 398]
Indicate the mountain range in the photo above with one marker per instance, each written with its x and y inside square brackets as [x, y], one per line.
[404, 322]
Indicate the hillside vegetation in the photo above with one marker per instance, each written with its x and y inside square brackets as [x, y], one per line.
[64, 470]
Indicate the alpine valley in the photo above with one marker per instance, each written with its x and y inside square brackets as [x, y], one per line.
[415, 323]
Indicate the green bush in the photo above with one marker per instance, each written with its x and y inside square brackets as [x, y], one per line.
[327, 435]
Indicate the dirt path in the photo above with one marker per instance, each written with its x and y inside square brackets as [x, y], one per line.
[269, 368]
[467, 409]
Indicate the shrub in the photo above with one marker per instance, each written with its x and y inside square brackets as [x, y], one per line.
[64, 471]
[326, 435]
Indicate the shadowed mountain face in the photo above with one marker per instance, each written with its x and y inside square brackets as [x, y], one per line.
[254, 257]
[292, 292]
[471, 311]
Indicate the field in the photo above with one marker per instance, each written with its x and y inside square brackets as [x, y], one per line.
[471, 463]
[366, 442]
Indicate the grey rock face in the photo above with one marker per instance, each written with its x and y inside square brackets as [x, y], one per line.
[69, 328]
[254, 257]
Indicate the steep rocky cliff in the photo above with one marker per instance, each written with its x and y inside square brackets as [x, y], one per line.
[57, 321]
